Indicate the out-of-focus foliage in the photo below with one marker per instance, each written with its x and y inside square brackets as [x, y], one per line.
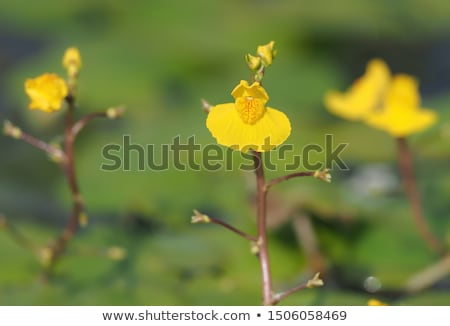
[159, 58]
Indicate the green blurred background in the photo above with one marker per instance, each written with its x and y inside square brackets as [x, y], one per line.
[159, 58]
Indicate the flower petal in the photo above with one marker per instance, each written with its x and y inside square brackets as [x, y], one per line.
[364, 95]
[402, 124]
[267, 53]
[46, 92]
[229, 130]
[401, 114]
[254, 90]
[403, 93]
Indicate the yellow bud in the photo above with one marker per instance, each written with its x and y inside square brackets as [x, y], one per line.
[116, 253]
[11, 130]
[199, 217]
[72, 61]
[115, 112]
[323, 175]
[254, 248]
[267, 53]
[315, 282]
[56, 154]
[253, 62]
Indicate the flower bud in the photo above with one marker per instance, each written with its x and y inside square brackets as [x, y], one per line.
[315, 282]
[11, 130]
[253, 62]
[72, 61]
[115, 112]
[199, 217]
[323, 175]
[267, 53]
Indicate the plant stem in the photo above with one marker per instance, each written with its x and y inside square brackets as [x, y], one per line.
[406, 167]
[263, 252]
[69, 171]
[278, 180]
[51, 150]
[231, 228]
[283, 295]
[80, 124]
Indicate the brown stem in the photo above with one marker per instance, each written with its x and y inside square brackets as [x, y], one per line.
[77, 202]
[283, 295]
[80, 124]
[406, 167]
[263, 252]
[278, 180]
[51, 150]
[233, 229]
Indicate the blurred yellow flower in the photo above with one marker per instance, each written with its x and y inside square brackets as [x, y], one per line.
[375, 302]
[247, 123]
[364, 95]
[72, 61]
[400, 115]
[46, 92]
[267, 53]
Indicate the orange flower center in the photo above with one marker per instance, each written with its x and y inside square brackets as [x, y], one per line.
[250, 109]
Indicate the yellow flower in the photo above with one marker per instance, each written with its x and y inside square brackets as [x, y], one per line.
[375, 302]
[364, 95]
[72, 61]
[401, 116]
[247, 123]
[46, 92]
[267, 53]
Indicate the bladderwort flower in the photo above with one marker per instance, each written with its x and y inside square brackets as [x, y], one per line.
[383, 102]
[247, 124]
[363, 96]
[46, 92]
[392, 104]
[401, 114]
